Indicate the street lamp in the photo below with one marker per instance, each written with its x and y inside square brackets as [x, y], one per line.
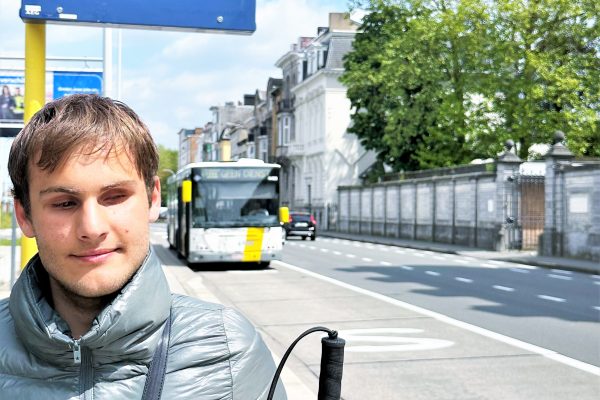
[225, 140]
[308, 187]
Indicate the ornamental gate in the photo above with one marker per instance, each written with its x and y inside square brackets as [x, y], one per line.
[525, 209]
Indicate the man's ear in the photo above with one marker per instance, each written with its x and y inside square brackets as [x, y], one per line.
[155, 201]
[23, 220]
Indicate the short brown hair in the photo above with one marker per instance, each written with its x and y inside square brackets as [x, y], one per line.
[80, 121]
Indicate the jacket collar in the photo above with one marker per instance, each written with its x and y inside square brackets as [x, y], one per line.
[125, 330]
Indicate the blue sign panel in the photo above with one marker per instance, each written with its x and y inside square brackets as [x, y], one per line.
[66, 83]
[234, 16]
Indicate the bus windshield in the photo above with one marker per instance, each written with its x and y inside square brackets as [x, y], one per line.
[235, 198]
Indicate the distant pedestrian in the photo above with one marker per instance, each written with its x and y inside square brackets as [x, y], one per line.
[91, 309]
[7, 103]
[19, 101]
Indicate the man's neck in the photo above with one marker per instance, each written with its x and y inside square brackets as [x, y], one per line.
[77, 311]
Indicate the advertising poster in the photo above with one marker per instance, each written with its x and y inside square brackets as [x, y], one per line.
[58, 84]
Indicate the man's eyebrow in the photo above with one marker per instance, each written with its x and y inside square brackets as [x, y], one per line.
[58, 189]
[68, 190]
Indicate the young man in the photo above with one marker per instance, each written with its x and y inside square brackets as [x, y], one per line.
[87, 313]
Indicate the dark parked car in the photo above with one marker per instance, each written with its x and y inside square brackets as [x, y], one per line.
[301, 224]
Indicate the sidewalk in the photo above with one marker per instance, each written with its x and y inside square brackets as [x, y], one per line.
[522, 257]
[5, 262]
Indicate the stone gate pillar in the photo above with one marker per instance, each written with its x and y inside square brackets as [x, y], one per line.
[507, 169]
[554, 192]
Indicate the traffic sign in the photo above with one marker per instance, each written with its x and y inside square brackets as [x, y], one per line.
[227, 16]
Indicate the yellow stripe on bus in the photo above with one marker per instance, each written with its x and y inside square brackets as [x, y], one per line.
[252, 249]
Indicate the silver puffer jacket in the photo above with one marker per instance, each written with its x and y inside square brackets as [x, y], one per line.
[214, 352]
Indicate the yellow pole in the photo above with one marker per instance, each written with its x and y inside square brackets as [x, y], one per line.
[35, 96]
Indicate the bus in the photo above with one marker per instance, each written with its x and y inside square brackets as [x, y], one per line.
[226, 211]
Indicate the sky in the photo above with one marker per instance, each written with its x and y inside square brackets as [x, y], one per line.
[171, 79]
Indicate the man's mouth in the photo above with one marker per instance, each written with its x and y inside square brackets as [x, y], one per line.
[95, 255]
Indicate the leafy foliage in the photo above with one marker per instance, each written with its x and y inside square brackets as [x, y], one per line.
[440, 82]
[167, 162]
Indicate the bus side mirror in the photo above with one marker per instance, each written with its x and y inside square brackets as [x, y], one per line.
[284, 215]
[186, 191]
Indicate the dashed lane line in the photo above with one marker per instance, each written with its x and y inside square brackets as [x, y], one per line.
[337, 253]
[350, 256]
[551, 298]
[325, 250]
[406, 267]
[519, 270]
[387, 264]
[564, 278]
[488, 265]
[465, 280]
[503, 288]
[561, 271]
[432, 273]
[367, 259]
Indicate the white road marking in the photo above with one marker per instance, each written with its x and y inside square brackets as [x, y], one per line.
[519, 270]
[550, 354]
[357, 244]
[489, 265]
[389, 341]
[350, 256]
[385, 263]
[312, 247]
[337, 253]
[366, 259]
[301, 245]
[439, 258]
[503, 288]
[597, 308]
[325, 250]
[564, 278]
[406, 267]
[561, 271]
[597, 283]
[551, 298]
[419, 255]
[465, 280]
[400, 251]
[596, 276]
[433, 273]
[497, 262]
[458, 260]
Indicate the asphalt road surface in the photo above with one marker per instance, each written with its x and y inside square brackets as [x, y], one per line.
[555, 309]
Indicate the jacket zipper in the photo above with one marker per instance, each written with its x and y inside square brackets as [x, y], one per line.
[76, 352]
[83, 358]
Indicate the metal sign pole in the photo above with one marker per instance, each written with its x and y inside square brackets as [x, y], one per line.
[13, 247]
[35, 96]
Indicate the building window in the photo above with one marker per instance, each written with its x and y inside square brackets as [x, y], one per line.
[286, 130]
[262, 149]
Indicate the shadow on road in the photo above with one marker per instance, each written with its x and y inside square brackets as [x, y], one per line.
[523, 302]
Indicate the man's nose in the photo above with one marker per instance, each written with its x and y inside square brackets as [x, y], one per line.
[93, 222]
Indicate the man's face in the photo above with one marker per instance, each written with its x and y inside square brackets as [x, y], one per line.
[90, 218]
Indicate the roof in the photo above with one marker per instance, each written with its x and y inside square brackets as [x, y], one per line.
[339, 46]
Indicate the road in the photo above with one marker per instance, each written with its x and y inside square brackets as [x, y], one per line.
[413, 321]
[555, 309]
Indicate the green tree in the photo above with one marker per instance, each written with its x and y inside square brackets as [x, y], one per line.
[167, 162]
[440, 82]
[544, 72]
